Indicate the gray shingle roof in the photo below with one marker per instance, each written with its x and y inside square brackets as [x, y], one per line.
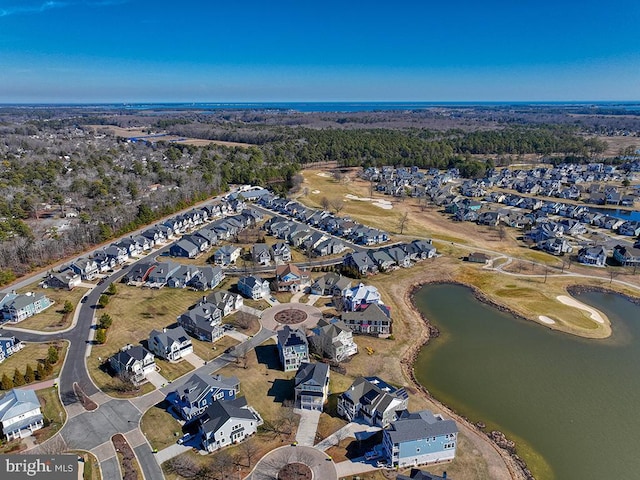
[419, 425]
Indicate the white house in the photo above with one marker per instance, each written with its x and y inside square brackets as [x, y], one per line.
[172, 344]
[227, 422]
[20, 413]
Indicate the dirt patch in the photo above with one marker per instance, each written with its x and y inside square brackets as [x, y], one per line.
[295, 471]
[87, 403]
[128, 462]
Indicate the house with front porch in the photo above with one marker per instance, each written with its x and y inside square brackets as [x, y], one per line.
[17, 307]
[227, 255]
[311, 386]
[226, 301]
[192, 398]
[260, 254]
[66, 279]
[293, 348]
[281, 253]
[290, 278]
[8, 346]
[373, 320]
[87, 268]
[593, 256]
[333, 339]
[373, 401]
[626, 256]
[359, 297]
[207, 278]
[254, 287]
[20, 413]
[227, 422]
[330, 283]
[419, 438]
[171, 344]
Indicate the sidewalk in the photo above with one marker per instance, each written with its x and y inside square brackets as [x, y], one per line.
[349, 430]
[39, 385]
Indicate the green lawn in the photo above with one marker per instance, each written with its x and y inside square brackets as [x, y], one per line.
[160, 427]
[52, 411]
[32, 354]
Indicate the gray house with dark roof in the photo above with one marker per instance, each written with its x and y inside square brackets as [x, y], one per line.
[311, 386]
[372, 400]
[133, 363]
[172, 344]
[227, 422]
[203, 321]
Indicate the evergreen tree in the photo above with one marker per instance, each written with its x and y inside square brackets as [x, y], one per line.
[103, 301]
[6, 383]
[18, 378]
[101, 336]
[111, 289]
[68, 307]
[40, 371]
[52, 355]
[29, 375]
[105, 321]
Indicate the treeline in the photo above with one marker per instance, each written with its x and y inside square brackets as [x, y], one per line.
[43, 370]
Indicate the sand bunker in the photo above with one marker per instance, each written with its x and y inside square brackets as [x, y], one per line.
[572, 302]
[380, 203]
[315, 192]
[547, 320]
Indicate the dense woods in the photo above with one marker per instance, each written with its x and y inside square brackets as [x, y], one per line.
[66, 186]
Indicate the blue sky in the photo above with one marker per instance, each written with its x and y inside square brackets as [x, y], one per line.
[304, 50]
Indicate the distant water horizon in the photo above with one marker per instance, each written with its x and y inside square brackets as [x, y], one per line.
[308, 107]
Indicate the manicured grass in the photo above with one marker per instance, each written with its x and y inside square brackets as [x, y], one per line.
[52, 318]
[208, 351]
[135, 312]
[32, 354]
[283, 297]
[257, 304]
[172, 371]
[160, 427]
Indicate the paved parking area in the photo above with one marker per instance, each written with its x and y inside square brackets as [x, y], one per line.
[320, 464]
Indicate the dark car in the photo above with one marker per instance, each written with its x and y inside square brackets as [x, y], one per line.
[101, 281]
[84, 300]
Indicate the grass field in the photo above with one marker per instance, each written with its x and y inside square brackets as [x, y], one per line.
[135, 312]
[52, 411]
[160, 427]
[32, 354]
[52, 318]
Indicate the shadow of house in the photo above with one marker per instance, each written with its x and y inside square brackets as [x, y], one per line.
[268, 355]
[281, 390]
[357, 448]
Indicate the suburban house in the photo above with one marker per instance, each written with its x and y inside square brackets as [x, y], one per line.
[226, 301]
[593, 256]
[172, 344]
[192, 398]
[260, 254]
[478, 257]
[373, 320]
[119, 254]
[253, 287]
[281, 253]
[206, 278]
[66, 279]
[361, 262]
[227, 422]
[9, 346]
[184, 248]
[87, 268]
[182, 276]
[289, 278]
[330, 283]
[359, 297]
[419, 438]
[139, 273]
[417, 474]
[293, 348]
[161, 274]
[227, 255]
[311, 386]
[627, 256]
[20, 413]
[333, 339]
[374, 401]
[17, 307]
[133, 363]
[203, 321]
[555, 246]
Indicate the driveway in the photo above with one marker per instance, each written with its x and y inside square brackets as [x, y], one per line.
[306, 434]
[157, 380]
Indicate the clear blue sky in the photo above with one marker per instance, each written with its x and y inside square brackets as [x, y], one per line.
[305, 50]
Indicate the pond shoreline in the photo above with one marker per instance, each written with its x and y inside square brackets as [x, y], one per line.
[506, 448]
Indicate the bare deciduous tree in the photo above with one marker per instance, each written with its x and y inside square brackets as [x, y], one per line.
[337, 205]
[402, 223]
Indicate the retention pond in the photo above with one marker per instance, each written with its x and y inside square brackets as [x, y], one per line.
[571, 404]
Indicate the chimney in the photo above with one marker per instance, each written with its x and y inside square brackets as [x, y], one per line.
[164, 330]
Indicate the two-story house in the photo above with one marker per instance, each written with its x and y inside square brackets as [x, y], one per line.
[419, 438]
[311, 386]
[360, 297]
[593, 256]
[227, 422]
[206, 278]
[372, 400]
[373, 320]
[289, 278]
[172, 344]
[192, 398]
[281, 253]
[253, 287]
[260, 254]
[9, 346]
[226, 301]
[18, 307]
[293, 348]
[133, 364]
[330, 283]
[227, 255]
[20, 413]
[203, 321]
[87, 268]
[333, 339]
